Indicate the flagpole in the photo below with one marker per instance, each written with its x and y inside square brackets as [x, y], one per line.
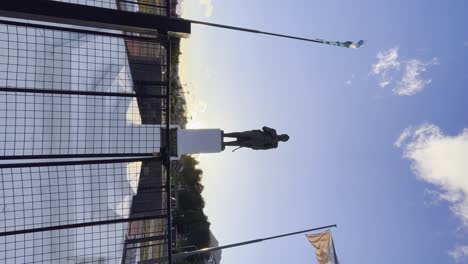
[334, 251]
[206, 250]
[346, 44]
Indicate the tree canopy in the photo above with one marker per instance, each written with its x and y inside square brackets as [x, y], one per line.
[190, 218]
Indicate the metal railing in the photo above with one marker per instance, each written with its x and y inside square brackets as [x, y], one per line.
[82, 110]
[155, 7]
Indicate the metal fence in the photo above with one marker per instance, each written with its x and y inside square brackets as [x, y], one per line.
[84, 175]
[157, 7]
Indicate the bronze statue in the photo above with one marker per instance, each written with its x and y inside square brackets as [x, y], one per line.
[255, 139]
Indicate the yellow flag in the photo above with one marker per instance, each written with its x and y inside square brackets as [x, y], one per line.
[324, 249]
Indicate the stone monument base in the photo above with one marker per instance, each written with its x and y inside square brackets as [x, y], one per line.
[196, 141]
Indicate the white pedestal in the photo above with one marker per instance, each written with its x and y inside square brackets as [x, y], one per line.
[195, 141]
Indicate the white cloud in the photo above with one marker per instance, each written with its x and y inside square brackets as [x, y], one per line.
[412, 82]
[208, 7]
[388, 66]
[440, 160]
[384, 83]
[386, 60]
[350, 81]
[459, 253]
[403, 136]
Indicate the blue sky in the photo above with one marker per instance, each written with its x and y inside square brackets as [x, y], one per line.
[378, 135]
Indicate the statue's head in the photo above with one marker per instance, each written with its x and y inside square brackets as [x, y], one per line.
[283, 137]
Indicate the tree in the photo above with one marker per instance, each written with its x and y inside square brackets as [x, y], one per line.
[190, 218]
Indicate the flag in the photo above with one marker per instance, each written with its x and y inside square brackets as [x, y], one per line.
[346, 44]
[324, 247]
[352, 45]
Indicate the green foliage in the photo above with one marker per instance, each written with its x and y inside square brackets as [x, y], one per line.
[175, 51]
[201, 259]
[178, 102]
[190, 218]
[190, 200]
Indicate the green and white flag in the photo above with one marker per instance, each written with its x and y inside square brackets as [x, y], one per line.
[346, 44]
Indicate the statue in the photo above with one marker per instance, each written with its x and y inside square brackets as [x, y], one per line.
[255, 139]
